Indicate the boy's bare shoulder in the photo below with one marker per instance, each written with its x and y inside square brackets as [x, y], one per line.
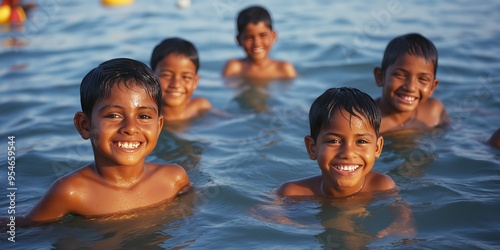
[287, 69]
[433, 105]
[202, 104]
[378, 182]
[495, 139]
[66, 195]
[233, 67]
[171, 170]
[74, 181]
[302, 187]
[171, 175]
[433, 112]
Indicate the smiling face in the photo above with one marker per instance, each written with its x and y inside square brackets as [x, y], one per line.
[407, 83]
[345, 150]
[257, 40]
[178, 79]
[123, 128]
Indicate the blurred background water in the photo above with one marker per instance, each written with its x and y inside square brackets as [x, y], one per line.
[449, 178]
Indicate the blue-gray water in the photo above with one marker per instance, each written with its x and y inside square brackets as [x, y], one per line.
[449, 178]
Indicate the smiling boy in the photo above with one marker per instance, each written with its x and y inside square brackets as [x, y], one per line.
[345, 142]
[408, 80]
[175, 62]
[256, 36]
[121, 100]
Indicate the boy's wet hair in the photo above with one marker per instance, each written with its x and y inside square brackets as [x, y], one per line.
[352, 100]
[97, 84]
[253, 14]
[411, 44]
[174, 45]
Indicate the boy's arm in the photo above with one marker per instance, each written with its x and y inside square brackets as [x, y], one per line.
[55, 204]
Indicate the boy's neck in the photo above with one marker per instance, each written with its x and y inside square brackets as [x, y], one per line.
[339, 192]
[260, 63]
[174, 113]
[119, 176]
[397, 117]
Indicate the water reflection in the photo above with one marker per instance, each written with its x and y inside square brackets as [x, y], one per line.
[149, 228]
[412, 150]
[177, 150]
[254, 95]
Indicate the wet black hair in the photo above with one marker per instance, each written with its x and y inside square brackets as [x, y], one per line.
[174, 45]
[253, 14]
[412, 44]
[352, 100]
[97, 84]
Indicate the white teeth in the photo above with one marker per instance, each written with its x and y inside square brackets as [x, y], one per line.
[257, 50]
[409, 98]
[348, 168]
[128, 145]
[175, 93]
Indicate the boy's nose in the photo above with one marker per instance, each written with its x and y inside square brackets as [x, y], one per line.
[129, 126]
[257, 41]
[174, 82]
[347, 151]
[411, 83]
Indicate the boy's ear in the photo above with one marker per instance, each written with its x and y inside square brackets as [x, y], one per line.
[434, 85]
[311, 147]
[380, 145]
[238, 40]
[195, 81]
[274, 35]
[379, 76]
[160, 124]
[82, 125]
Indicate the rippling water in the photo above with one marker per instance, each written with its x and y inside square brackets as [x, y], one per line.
[449, 178]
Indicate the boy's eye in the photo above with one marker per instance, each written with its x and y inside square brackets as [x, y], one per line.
[424, 79]
[333, 141]
[167, 76]
[112, 116]
[145, 117]
[362, 141]
[187, 77]
[398, 75]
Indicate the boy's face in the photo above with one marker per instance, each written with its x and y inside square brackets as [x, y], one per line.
[407, 83]
[178, 79]
[345, 150]
[124, 128]
[257, 40]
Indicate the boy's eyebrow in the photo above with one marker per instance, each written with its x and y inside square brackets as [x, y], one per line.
[358, 134]
[120, 107]
[148, 107]
[365, 134]
[420, 73]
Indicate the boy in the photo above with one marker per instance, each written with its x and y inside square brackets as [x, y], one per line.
[345, 142]
[408, 79]
[256, 36]
[175, 62]
[121, 100]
